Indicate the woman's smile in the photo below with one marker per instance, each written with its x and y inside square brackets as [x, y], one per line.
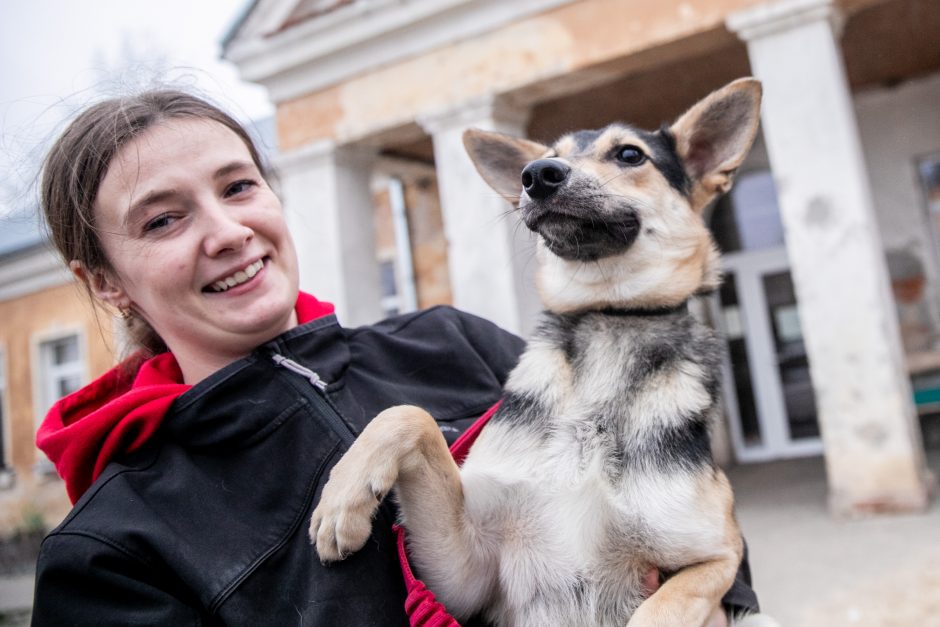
[237, 278]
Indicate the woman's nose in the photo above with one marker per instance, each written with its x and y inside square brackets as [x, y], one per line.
[224, 231]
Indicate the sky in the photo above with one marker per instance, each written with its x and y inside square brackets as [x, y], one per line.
[57, 56]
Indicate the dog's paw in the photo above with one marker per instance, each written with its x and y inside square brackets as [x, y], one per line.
[342, 521]
[338, 532]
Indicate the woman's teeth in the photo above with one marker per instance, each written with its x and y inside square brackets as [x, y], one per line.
[239, 277]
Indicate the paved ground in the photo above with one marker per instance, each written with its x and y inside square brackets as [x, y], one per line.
[810, 570]
[16, 599]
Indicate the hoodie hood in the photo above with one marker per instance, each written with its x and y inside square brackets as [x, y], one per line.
[118, 412]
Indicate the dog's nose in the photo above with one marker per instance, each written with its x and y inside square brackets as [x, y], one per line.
[543, 177]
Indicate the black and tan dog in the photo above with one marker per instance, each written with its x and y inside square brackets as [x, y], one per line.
[597, 467]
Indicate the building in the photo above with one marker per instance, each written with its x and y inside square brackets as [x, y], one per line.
[832, 237]
[51, 343]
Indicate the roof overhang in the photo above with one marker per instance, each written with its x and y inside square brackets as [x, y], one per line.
[31, 269]
[356, 37]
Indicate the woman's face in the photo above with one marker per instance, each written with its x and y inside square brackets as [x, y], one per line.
[198, 243]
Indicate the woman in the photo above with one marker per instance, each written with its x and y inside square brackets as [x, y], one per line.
[195, 465]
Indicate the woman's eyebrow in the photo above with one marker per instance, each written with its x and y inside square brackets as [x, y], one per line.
[150, 198]
[234, 166]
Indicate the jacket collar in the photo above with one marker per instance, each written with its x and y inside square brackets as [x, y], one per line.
[248, 398]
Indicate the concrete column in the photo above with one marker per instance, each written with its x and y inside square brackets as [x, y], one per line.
[874, 454]
[328, 203]
[491, 256]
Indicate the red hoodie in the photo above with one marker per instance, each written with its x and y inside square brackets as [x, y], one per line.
[117, 413]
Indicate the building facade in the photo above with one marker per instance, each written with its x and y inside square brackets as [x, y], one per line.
[831, 305]
[51, 343]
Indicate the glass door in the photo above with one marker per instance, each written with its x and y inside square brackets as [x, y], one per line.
[767, 387]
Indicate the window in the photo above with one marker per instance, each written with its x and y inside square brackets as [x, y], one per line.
[61, 372]
[748, 218]
[62, 368]
[390, 299]
[928, 167]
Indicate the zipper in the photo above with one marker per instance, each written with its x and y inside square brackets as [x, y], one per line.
[323, 404]
[338, 425]
[307, 373]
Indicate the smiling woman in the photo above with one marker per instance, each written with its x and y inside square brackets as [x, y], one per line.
[181, 210]
[80, 163]
[194, 466]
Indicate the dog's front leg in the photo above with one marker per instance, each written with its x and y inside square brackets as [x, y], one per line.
[401, 445]
[691, 596]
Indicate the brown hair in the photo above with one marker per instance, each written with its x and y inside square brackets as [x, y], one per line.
[79, 159]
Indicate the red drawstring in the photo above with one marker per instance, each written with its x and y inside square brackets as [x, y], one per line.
[422, 608]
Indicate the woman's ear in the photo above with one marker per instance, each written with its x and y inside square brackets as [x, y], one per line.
[104, 286]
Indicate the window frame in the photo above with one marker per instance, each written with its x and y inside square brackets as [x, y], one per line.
[930, 206]
[6, 431]
[42, 385]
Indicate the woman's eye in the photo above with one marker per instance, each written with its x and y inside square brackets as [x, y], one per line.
[238, 187]
[159, 222]
[631, 155]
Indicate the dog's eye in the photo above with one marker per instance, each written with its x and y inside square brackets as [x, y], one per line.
[631, 155]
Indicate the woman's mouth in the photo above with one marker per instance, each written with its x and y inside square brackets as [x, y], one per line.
[239, 277]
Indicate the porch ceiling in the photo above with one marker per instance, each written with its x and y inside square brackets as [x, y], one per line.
[891, 42]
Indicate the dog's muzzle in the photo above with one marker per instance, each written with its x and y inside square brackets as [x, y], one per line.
[571, 226]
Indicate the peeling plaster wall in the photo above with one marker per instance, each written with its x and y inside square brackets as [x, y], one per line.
[546, 47]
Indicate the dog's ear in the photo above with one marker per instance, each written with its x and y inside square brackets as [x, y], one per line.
[715, 135]
[500, 159]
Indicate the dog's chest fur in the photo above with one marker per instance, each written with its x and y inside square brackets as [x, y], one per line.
[587, 475]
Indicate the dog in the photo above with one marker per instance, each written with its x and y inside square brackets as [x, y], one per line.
[597, 466]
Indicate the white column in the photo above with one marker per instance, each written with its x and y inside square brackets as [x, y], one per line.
[490, 255]
[874, 454]
[329, 207]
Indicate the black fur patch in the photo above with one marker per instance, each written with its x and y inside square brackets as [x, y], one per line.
[654, 358]
[559, 330]
[663, 145]
[687, 446]
[522, 409]
[584, 139]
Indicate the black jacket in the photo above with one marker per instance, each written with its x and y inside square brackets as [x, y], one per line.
[208, 523]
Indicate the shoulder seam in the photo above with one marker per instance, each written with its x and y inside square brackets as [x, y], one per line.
[88, 498]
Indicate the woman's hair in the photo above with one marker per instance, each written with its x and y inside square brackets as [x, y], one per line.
[79, 160]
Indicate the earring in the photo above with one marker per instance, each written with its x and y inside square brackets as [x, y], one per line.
[124, 313]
